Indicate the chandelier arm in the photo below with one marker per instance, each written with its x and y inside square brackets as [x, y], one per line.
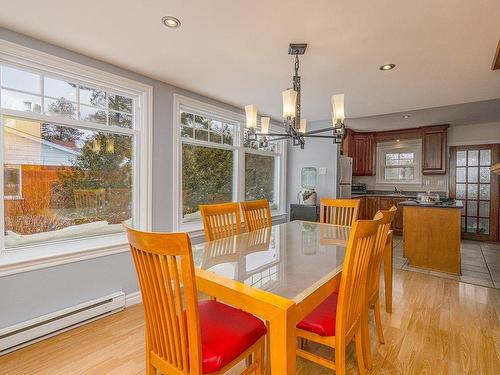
[324, 136]
[320, 130]
[273, 134]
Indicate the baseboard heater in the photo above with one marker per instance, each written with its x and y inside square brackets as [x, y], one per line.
[33, 330]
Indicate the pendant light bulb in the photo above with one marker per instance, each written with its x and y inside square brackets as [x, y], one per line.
[289, 103]
[264, 124]
[303, 125]
[251, 114]
[338, 114]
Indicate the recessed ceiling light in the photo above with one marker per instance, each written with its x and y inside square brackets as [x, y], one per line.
[406, 116]
[171, 22]
[387, 67]
[397, 140]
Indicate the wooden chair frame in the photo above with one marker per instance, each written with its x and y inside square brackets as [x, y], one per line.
[220, 220]
[165, 269]
[256, 214]
[339, 211]
[351, 303]
[373, 281]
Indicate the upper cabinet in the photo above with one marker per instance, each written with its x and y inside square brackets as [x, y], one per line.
[360, 147]
[434, 150]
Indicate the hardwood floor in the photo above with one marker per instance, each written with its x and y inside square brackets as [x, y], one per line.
[439, 326]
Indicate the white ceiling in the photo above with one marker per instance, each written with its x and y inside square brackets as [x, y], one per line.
[236, 51]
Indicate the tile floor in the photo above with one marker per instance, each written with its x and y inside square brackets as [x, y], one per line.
[480, 263]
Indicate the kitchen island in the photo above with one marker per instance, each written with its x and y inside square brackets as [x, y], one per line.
[431, 235]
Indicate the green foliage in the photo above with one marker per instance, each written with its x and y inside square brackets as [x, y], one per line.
[259, 177]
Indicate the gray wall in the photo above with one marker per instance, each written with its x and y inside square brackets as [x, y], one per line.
[319, 153]
[30, 294]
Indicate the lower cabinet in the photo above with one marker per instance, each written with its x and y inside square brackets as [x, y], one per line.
[370, 205]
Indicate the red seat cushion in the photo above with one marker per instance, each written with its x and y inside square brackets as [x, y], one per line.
[322, 319]
[226, 332]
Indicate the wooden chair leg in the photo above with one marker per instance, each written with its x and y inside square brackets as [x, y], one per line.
[359, 353]
[365, 340]
[340, 361]
[259, 359]
[378, 321]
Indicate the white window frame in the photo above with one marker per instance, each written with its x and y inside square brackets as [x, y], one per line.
[198, 107]
[18, 167]
[47, 255]
[414, 146]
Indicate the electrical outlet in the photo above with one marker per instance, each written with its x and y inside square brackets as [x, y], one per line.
[322, 171]
[427, 182]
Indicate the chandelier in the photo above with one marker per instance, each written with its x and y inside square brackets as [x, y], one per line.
[295, 125]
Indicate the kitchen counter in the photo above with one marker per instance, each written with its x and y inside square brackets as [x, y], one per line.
[451, 204]
[388, 193]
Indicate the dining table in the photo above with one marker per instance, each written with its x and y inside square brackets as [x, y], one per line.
[279, 274]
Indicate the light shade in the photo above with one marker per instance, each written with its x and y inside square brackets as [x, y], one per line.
[289, 102]
[264, 124]
[251, 112]
[303, 125]
[338, 115]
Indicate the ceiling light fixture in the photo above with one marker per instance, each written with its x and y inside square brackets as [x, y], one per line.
[387, 67]
[406, 116]
[295, 125]
[171, 22]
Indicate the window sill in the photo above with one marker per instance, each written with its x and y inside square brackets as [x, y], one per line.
[25, 259]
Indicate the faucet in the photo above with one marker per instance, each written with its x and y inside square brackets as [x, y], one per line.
[396, 191]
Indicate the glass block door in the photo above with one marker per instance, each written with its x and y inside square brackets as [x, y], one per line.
[471, 182]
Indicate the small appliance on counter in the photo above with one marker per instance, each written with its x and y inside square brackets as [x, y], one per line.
[308, 179]
[358, 188]
[428, 198]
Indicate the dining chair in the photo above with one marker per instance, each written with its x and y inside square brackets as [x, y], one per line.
[339, 211]
[256, 214]
[220, 220]
[337, 320]
[373, 280]
[184, 335]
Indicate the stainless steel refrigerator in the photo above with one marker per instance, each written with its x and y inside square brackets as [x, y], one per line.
[344, 177]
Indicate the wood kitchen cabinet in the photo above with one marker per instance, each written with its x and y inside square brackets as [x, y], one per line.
[434, 150]
[370, 205]
[360, 147]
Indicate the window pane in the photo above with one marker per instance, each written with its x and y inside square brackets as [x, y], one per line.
[186, 132]
[120, 103]
[484, 226]
[259, 177]
[461, 158]
[92, 114]
[201, 135]
[471, 224]
[484, 192]
[20, 80]
[120, 119]
[187, 119]
[207, 177]
[59, 89]
[403, 173]
[201, 122]
[471, 208]
[472, 174]
[76, 183]
[92, 97]
[461, 175]
[473, 157]
[256, 145]
[462, 224]
[484, 174]
[484, 209]
[485, 157]
[460, 191]
[11, 181]
[21, 102]
[472, 191]
[60, 107]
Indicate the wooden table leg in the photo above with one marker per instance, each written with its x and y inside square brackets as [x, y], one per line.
[282, 344]
[388, 272]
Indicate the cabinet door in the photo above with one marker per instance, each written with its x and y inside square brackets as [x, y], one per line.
[385, 203]
[434, 152]
[358, 156]
[371, 207]
[369, 155]
[398, 219]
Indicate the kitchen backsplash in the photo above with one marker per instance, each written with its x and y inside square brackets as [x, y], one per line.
[429, 183]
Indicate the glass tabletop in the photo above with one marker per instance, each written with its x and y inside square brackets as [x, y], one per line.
[290, 260]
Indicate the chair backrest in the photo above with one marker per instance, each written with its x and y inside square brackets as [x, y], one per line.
[352, 291]
[220, 220]
[164, 266]
[386, 217]
[339, 211]
[256, 214]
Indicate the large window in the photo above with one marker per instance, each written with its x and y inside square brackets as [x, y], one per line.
[399, 162]
[219, 163]
[70, 152]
